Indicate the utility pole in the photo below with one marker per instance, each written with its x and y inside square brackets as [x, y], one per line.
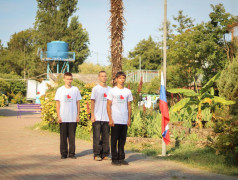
[164, 62]
[24, 62]
[140, 67]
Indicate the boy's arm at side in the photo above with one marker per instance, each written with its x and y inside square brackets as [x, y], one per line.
[129, 113]
[92, 110]
[58, 111]
[78, 111]
[109, 112]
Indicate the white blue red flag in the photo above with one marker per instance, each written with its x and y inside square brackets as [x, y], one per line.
[164, 111]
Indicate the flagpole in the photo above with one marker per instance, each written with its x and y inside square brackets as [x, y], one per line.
[164, 62]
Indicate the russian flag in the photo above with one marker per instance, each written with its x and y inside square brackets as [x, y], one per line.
[164, 111]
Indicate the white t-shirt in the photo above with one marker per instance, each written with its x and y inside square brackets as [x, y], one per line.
[68, 102]
[99, 94]
[120, 98]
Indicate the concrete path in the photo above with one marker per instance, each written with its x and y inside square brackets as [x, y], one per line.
[34, 154]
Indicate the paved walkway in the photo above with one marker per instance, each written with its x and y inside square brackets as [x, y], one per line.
[34, 154]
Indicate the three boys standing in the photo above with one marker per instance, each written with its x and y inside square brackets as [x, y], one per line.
[110, 107]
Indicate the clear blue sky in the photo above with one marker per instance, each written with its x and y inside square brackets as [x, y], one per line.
[143, 17]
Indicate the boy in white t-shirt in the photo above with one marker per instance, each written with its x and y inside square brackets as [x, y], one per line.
[68, 107]
[119, 112]
[100, 118]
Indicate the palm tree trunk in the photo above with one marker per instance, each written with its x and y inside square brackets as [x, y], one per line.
[117, 22]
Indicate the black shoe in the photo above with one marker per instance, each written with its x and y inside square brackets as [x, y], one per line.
[73, 157]
[123, 162]
[116, 163]
[63, 157]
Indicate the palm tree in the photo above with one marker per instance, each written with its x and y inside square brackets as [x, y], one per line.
[117, 22]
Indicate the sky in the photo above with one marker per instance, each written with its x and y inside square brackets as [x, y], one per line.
[144, 17]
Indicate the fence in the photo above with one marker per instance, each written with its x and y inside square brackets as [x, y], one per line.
[135, 75]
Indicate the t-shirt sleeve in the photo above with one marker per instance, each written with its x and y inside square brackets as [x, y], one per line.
[130, 97]
[57, 95]
[93, 94]
[78, 97]
[109, 95]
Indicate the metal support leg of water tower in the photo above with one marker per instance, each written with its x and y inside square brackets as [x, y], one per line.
[57, 67]
[48, 70]
[67, 66]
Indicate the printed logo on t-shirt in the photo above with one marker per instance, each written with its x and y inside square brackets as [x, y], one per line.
[104, 97]
[67, 98]
[121, 99]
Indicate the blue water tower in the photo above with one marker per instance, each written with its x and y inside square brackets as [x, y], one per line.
[57, 51]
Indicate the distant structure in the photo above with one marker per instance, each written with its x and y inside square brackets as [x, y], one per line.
[57, 54]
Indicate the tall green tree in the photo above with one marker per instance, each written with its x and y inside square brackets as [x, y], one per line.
[149, 52]
[200, 49]
[52, 19]
[197, 53]
[78, 40]
[21, 55]
[218, 26]
[51, 24]
[184, 22]
[1, 45]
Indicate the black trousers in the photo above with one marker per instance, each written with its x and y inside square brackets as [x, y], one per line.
[101, 139]
[67, 134]
[118, 140]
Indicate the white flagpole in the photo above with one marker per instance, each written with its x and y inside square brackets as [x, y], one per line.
[164, 62]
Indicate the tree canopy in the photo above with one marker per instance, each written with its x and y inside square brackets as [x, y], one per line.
[149, 52]
[193, 50]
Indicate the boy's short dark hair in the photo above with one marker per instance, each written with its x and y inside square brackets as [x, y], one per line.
[68, 74]
[101, 72]
[120, 73]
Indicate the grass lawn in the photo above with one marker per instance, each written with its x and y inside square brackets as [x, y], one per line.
[188, 153]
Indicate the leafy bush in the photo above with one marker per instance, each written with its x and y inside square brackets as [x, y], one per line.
[228, 84]
[204, 100]
[3, 100]
[152, 87]
[85, 107]
[186, 115]
[226, 139]
[133, 86]
[18, 98]
[145, 123]
[4, 86]
[12, 86]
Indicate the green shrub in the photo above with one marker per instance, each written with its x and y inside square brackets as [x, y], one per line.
[145, 123]
[186, 116]
[3, 100]
[228, 84]
[14, 85]
[18, 98]
[226, 139]
[4, 86]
